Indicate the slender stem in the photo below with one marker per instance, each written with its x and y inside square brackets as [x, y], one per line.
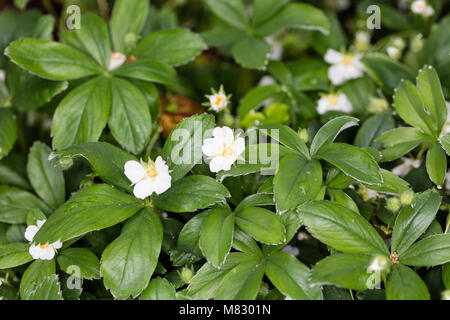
[48, 5]
[351, 294]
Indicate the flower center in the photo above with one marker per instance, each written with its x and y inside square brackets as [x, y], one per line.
[333, 99]
[44, 246]
[347, 60]
[151, 172]
[218, 101]
[227, 150]
[394, 258]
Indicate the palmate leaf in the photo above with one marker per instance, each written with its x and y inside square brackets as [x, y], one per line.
[232, 12]
[405, 284]
[251, 52]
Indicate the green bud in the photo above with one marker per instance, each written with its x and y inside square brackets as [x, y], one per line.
[407, 197]
[393, 204]
[304, 135]
[65, 163]
[186, 274]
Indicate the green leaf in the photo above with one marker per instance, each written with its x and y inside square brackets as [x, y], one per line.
[222, 36]
[262, 224]
[48, 289]
[430, 90]
[291, 277]
[190, 194]
[251, 52]
[242, 282]
[147, 70]
[339, 196]
[92, 39]
[296, 15]
[255, 97]
[216, 235]
[286, 136]
[445, 143]
[84, 259]
[410, 107]
[29, 92]
[174, 47]
[296, 181]
[264, 9]
[341, 228]
[51, 60]
[255, 200]
[15, 205]
[82, 114]
[436, 164]
[392, 184]
[95, 208]
[386, 72]
[330, 130]
[207, 280]
[372, 129]
[400, 141]
[34, 275]
[189, 237]
[413, 220]
[14, 254]
[127, 20]
[130, 122]
[182, 149]
[353, 161]
[159, 289]
[245, 243]
[129, 261]
[8, 131]
[105, 159]
[346, 270]
[429, 252]
[405, 284]
[446, 275]
[232, 12]
[45, 176]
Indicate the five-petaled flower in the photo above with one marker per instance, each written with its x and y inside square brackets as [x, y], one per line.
[41, 251]
[334, 102]
[223, 149]
[117, 59]
[422, 8]
[343, 66]
[148, 177]
[218, 101]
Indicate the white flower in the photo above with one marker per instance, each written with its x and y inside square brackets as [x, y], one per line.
[218, 101]
[423, 8]
[31, 231]
[447, 180]
[294, 251]
[117, 59]
[368, 194]
[407, 165]
[336, 102]
[2, 75]
[276, 50]
[223, 149]
[38, 251]
[393, 52]
[148, 177]
[344, 66]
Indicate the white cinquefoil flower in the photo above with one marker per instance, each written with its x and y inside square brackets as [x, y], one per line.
[117, 59]
[45, 251]
[218, 101]
[343, 66]
[223, 149]
[334, 102]
[148, 177]
[421, 7]
[407, 165]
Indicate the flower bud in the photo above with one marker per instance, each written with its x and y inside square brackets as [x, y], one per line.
[393, 204]
[304, 135]
[407, 197]
[186, 274]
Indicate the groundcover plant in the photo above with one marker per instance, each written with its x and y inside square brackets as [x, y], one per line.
[224, 149]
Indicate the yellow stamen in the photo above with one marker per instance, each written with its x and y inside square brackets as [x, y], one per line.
[151, 172]
[347, 60]
[227, 150]
[333, 99]
[219, 99]
[44, 246]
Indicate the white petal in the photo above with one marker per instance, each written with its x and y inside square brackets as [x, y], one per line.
[336, 74]
[161, 166]
[2, 75]
[134, 171]
[217, 164]
[223, 134]
[30, 232]
[344, 104]
[144, 188]
[239, 146]
[323, 105]
[162, 183]
[117, 59]
[210, 148]
[333, 57]
[57, 244]
[47, 253]
[35, 251]
[40, 223]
